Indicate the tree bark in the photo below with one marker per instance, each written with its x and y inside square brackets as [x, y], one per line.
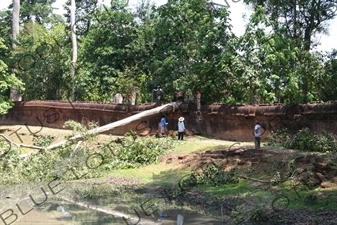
[146, 114]
[74, 46]
[15, 91]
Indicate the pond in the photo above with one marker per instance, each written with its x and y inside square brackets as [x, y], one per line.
[80, 204]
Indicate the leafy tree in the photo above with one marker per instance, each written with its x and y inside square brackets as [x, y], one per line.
[42, 62]
[38, 11]
[299, 21]
[187, 43]
[6, 27]
[328, 87]
[104, 53]
[270, 66]
[7, 81]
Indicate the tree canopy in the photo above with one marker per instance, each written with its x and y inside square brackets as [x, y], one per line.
[185, 45]
[7, 81]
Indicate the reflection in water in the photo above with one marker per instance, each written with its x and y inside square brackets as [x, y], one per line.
[100, 205]
[162, 215]
[65, 213]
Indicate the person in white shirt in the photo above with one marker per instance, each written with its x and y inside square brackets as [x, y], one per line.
[257, 135]
[181, 128]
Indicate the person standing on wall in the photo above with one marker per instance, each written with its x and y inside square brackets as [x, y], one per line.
[160, 95]
[181, 128]
[163, 125]
[257, 135]
[180, 96]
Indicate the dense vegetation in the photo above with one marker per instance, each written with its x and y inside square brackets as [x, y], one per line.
[183, 45]
[86, 159]
[304, 140]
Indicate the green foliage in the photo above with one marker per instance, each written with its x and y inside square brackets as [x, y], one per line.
[305, 140]
[182, 45]
[40, 62]
[212, 174]
[278, 138]
[80, 129]
[43, 141]
[324, 141]
[7, 81]
[135, 153]
[79, 160]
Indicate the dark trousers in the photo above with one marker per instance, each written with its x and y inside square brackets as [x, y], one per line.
[159, 100]
[180, 135]
[257, 142]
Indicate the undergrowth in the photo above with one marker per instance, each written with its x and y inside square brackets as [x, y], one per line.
[84, 158]
[304, 140]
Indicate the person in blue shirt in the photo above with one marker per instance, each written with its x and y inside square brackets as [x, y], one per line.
[181, 128]
[163, 125]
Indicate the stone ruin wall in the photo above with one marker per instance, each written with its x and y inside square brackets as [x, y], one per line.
[228, 122]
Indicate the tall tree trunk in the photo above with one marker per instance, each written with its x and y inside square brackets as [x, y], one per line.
[133, 95]
[15, 91]
[74, 47]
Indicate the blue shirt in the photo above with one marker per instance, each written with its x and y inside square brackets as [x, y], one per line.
[163, 122]
[181, 126]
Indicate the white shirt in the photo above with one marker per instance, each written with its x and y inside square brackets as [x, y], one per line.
[257, 130]
[181, 126]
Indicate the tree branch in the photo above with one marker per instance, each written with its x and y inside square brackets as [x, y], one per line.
[21, 145]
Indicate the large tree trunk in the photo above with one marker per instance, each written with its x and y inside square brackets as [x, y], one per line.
[15, 91]
[74, 46]
[146, 114]
[133, 95]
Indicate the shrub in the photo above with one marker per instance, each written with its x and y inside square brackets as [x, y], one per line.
[214, 175]
[301, 140]
[43, 141]
[304, 140]
[324, 142]
[279, 138]
[137, 153]
[77, 160]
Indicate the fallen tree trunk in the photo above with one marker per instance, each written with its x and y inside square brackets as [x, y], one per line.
[148, 113]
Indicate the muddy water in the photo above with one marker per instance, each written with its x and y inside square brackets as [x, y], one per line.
[69, 208]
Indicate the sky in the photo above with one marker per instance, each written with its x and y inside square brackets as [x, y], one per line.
[237, 10]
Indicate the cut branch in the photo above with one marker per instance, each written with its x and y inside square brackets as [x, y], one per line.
[254, 179]
[21, 145]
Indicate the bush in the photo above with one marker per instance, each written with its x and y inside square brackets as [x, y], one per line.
[43, 141]
[324, 142]
[280, 138]
[136, 153]
[214, 175]
[301, 140]
[304, 140]
[77, 160]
